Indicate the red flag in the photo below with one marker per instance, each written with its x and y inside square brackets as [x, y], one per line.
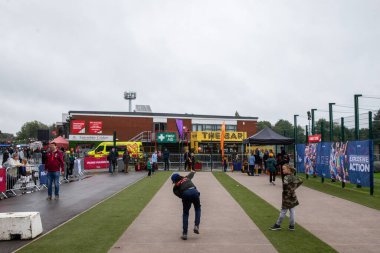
[222, 139]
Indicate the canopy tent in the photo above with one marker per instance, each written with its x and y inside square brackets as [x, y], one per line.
[61, 142]
[268, 137]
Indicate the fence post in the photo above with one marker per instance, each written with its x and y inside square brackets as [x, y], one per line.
[322, 131]
[331, 121]
[342, 139]
[356, 102]
[371, 160]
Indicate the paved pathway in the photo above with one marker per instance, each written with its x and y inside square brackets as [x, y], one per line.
[224, 225]
[346, 226]
[75, 198]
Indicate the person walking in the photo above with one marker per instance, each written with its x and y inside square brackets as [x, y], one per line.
[271, 166]
[185, 189]
[66, 159]
[149, 168]
[112, 158]
[225, 164]
[53, 165]
[126, 158]
[251, 165]
[289, 198]
[154, 161]
[192, 161]
[186, 158]
[166, 159]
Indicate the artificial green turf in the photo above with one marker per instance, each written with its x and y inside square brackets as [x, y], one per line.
[350, 192]
[265, 215]
[99, 228]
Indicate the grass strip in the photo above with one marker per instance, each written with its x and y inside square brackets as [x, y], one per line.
[99, 228]
[350, 192]
[264, 215]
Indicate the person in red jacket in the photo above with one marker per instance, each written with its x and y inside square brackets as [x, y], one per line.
[53, 164]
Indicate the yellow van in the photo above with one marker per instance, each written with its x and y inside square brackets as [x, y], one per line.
[135, 149]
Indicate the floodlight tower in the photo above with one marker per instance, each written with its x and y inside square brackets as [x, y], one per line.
[130, 95]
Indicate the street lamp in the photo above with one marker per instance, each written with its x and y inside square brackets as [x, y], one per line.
[356, 101]
[295, 140]
[331, 121]
[312, 121]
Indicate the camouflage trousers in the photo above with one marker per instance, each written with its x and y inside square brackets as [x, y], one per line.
[282, 216]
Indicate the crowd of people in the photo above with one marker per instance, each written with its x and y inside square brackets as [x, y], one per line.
[265, 162]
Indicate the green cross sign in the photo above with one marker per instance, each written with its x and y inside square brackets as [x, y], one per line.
[166, 137]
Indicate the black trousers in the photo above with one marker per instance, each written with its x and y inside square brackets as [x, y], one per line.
[166, 162]
[272, 176]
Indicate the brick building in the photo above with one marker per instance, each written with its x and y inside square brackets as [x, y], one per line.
[200, 132]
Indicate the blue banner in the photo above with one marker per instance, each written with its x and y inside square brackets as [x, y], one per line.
[42, 174]
[323, 159]
[338, 165]
[359, 162]
[341, 161]
[300, 157]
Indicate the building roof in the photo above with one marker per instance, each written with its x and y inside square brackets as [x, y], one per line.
[268, 137]
[167, 115]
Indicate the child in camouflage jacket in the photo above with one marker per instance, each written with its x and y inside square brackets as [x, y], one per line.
[289, 198]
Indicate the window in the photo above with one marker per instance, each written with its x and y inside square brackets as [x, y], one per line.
[213, 127]
[160, 127]
[231, 128]
[99, 149]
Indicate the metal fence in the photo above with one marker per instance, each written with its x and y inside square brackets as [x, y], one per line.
[27, 179]
[22, 179]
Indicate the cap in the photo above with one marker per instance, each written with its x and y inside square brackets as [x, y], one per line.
[175, 177]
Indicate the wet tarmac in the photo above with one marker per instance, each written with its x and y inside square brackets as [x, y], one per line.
[75, 197]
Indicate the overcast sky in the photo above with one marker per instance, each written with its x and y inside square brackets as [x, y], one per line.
[270, 58]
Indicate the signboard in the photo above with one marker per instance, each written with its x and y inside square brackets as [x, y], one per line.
[91, 163]
[95, 127]
[3, 180]
[78, 126]
[42, 174]
[166, 137]
[314, 138]
[215, 136]
[341, 161]
[358, 162]
[73, 137]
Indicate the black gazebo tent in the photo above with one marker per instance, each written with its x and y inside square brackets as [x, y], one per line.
[268, 137]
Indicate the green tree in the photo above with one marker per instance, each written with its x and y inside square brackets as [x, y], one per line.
[376, 127]
[301, 137]
[29, 130]
[284, 128]
[263, 124]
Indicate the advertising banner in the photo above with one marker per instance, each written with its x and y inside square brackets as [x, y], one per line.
[310, 158]
[95, 127]
[42, 174]
[359, 162]
[216, 136]
[300, 157]
[338, 161]
[78, 126]
[3, 179]
[91, 163]
[314, 138]
[341, 161]
[73, 137]
[322, 164]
